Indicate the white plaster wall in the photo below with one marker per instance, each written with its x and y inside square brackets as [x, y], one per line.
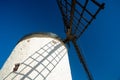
[26, 48]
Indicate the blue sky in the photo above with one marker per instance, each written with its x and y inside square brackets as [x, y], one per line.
[100, 44]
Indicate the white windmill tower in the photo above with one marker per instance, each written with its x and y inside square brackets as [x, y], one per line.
[39, 56]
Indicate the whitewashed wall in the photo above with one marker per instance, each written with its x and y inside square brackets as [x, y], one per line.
[39, 58]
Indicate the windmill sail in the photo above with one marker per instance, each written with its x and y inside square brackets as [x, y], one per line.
[77, 16]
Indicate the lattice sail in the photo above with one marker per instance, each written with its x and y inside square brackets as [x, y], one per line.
[78, 14]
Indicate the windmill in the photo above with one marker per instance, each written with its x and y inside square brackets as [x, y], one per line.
[39, 56]
[77, 16]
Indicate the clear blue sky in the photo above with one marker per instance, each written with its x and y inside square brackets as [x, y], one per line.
[100, 43]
